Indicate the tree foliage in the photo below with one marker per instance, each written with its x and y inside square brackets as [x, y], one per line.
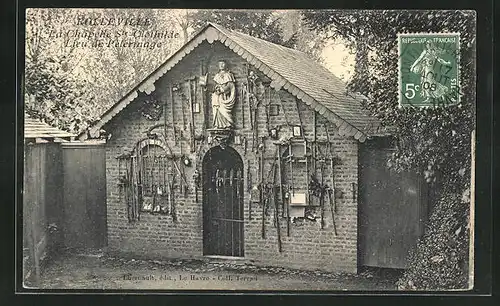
[441, 259]
[56, 96]
[69, 86]
[298, 36]
[433, 141]
[261, 24]
[52, 92]
[116, 70]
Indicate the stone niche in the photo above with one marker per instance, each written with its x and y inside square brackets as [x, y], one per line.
[220, 136]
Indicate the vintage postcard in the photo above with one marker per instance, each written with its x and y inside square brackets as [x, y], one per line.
[270, 150]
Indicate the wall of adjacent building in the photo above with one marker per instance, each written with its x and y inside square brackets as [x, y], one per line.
[42, 206]
[158, 236]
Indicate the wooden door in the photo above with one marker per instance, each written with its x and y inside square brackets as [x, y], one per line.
[392, 211]
[223, 203]
[84, 170]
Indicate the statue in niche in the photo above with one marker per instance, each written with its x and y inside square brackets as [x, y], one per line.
[223, 97]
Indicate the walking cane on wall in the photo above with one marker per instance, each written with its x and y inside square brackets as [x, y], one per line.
[191, 114]
[276, 208]
[262, 197]
[172, 114]
[331, 190]
[280, 182]
[290, 161]
[249, 190]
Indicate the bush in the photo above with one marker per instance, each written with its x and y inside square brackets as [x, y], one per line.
[440, 260]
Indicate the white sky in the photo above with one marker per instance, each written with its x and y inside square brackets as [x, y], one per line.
[338, 59]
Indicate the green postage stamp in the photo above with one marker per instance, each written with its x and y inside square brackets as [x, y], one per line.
[429, 69]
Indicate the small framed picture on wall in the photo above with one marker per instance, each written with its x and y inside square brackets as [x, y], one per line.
[297, 131]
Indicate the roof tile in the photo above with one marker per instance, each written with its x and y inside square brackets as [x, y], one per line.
[295, 70]
[299, 69]
[37, 129]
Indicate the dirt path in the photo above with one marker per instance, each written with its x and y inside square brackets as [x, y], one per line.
[101, 272]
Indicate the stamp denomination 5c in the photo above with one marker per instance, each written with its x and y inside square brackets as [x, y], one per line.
[429, 69]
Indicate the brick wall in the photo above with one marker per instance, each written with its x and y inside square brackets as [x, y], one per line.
[308, 246]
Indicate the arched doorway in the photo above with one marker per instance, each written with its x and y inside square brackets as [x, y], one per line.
[223, 202]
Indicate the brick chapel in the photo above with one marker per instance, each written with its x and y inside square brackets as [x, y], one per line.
[239, 148]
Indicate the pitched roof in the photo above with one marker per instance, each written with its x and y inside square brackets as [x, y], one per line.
[289, 69]
[36, 129]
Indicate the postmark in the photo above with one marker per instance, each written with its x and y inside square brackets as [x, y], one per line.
[429, 69]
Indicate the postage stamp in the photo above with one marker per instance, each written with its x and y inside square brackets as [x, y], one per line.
[429, 69]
